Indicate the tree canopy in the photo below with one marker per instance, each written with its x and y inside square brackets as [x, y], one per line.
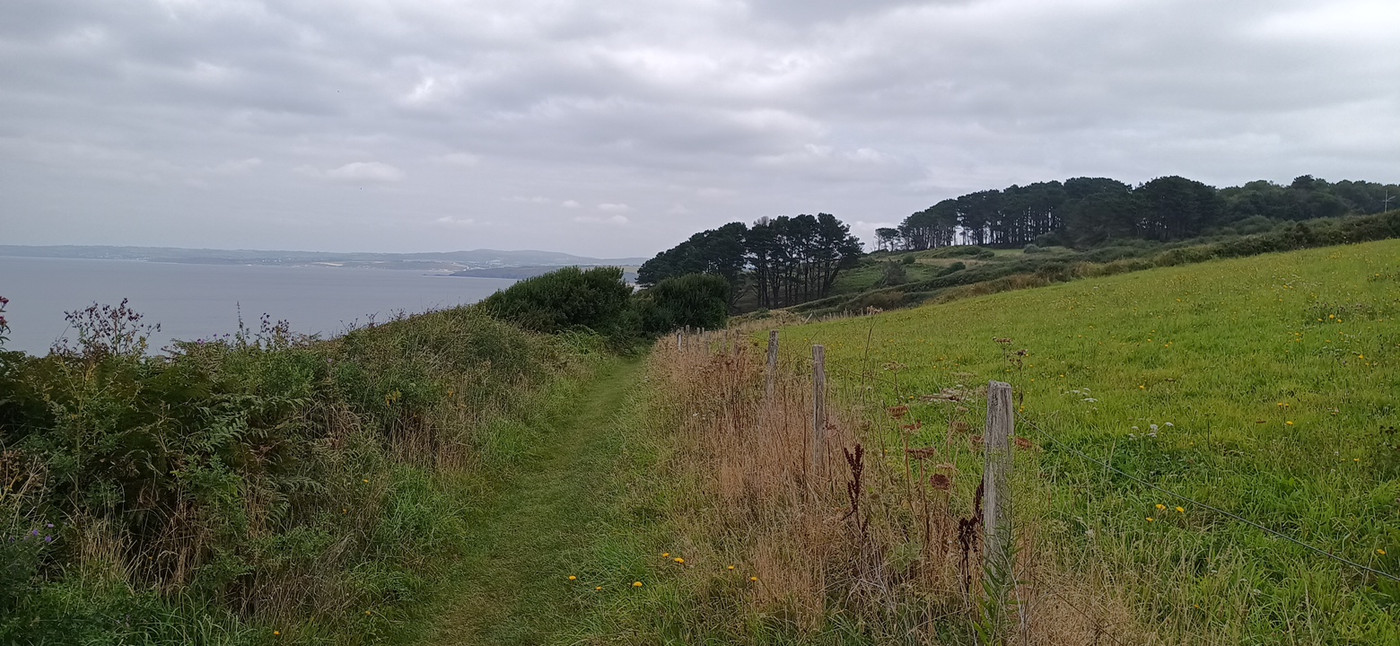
[785, 260]
[1087, 211]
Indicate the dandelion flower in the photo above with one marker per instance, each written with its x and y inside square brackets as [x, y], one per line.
[731, 567]
[1380, 551]
[573, 578]
[679, 560]
[665, 554]
[1289, 422]
[598, 588]
[366, 480]
[1150, 519]
[1142, 387]
[1180, 510]
[1161, 507]
[276, 633]
[636, 584]
[753, 578]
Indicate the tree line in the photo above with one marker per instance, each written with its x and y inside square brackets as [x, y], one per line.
[1089, 211]
[781, 261]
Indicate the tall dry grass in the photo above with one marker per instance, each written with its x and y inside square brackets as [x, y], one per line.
[875, 536]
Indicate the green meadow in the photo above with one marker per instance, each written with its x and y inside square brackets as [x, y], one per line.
[1263, 386]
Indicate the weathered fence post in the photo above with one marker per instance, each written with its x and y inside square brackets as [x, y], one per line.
[772, 362]
[678, 341]
[996, 479]
[818, 409]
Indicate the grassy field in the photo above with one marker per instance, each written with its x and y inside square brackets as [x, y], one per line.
[1265, 386]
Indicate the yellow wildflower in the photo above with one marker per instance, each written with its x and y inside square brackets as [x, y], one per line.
[636, 584]
[1179, 510]
[573, 578]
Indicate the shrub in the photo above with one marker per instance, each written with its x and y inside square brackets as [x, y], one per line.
[696, 300]
[892, 275]
[1032, 249]
[953, 268]
[568, 298]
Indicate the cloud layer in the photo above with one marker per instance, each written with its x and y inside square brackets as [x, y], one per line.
[620, 127]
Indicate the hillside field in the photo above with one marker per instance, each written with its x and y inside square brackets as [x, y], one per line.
[1264, 386]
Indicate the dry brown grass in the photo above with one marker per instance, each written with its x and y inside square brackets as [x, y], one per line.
[872, 527]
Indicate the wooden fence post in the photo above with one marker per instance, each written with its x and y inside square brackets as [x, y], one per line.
[996, 478]
[772, 362]
[678, 342]
[818, 409]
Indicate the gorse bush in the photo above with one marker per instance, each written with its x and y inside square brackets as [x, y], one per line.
[597, 300]
[263, 482]
[567, 298]
[694, 300]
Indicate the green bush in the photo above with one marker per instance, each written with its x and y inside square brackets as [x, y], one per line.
[695, 300]
[568, 298]
[953, 268]
[893, 274]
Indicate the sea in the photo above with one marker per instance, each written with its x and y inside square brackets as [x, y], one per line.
[203, 301]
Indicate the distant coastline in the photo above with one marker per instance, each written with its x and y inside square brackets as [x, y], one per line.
[529, 262]
[629, 273]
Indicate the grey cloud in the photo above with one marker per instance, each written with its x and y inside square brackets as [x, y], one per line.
[157, 109]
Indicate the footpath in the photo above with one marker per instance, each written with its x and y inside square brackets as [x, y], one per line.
[544, 524]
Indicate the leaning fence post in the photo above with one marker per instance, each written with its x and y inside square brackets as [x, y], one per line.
[996, 478]
[818, 408]
[772, 362]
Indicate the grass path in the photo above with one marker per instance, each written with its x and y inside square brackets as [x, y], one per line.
[546, 521]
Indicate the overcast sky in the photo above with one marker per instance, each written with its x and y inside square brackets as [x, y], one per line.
[620, 127]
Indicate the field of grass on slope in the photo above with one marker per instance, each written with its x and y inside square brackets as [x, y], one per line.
[1265, 386]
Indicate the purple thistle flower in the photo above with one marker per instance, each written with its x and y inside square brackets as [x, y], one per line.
[48, 539]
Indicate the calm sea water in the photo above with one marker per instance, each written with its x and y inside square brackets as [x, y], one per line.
[201, 301]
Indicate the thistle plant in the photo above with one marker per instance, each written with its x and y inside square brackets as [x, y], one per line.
[4, 324]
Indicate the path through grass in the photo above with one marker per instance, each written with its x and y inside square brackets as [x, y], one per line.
[548, 521]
